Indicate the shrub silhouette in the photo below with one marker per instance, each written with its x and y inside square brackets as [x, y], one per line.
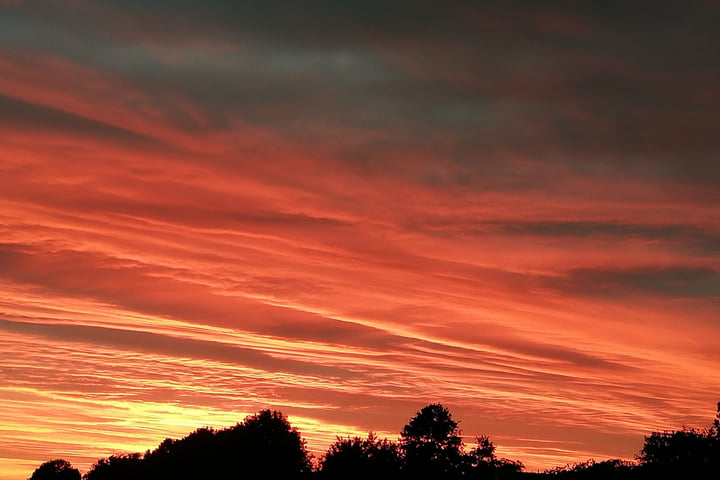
[614, 469]
[56, 470]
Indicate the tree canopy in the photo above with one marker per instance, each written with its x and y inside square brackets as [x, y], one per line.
[56, 470]
[355, 458]
[432, 444]
[264, 444]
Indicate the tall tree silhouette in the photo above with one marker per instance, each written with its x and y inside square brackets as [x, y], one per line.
[56, 470]
[432, 444]
[356, 458]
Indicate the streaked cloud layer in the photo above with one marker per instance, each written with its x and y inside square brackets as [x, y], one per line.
[347, 210]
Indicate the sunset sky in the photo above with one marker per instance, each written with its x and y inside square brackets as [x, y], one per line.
[346, 210]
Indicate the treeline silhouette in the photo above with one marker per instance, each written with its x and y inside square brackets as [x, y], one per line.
[265, 445]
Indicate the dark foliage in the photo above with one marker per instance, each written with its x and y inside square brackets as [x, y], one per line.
[680, 454]
[355, 458]
[614, 469]
[432, 445]
[482, 463]
[686, 453]
[56, 470]
[117, 467]
[193, 456]
[264, 445]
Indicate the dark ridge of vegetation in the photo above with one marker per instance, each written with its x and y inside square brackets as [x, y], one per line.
[265, 445]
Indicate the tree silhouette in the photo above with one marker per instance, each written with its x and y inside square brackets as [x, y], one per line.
[482, 463]
[686, 453]
[485, 450]
[678, 454]
[265, 444]
[355, 458]
[715, 429]
[56, 470]
[117, 467]
[194, 456]
[432, 444]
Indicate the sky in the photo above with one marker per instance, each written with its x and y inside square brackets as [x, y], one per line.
[348, 210]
